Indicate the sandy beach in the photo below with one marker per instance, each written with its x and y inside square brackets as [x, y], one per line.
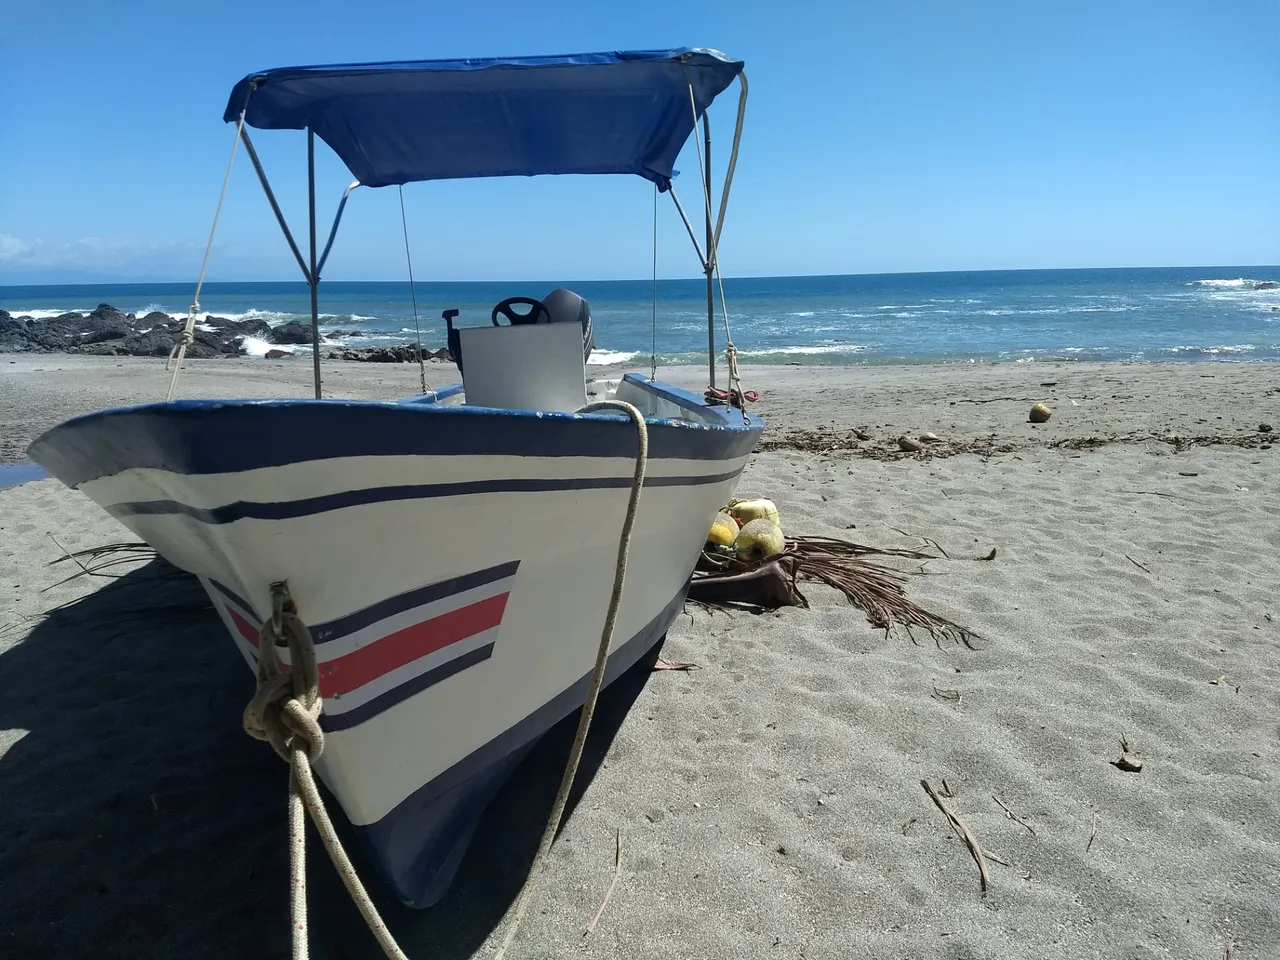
[769, 803]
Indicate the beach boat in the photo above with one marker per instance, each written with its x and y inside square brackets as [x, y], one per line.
[453, 553]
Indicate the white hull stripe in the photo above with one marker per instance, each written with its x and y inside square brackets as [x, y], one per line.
[310, 506]
[374, 658]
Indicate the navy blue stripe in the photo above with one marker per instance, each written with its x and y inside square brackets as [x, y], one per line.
[349, 624]
[417, 845]
[233, 596]
[228, 436]
[385, 701]
[292, 509]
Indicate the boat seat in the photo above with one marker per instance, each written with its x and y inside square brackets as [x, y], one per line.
[538, 365]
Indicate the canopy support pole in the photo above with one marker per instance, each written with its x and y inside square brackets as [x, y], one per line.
[684, 217]
[313, 275]
[709, 261]
[333, 231]
[271, 198]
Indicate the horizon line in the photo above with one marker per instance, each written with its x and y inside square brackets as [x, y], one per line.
[695, 278]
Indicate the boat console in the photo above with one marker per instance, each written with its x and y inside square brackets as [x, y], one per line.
[534, 361]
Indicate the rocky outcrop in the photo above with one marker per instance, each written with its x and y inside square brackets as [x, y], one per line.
[405, 353]
[107, 331]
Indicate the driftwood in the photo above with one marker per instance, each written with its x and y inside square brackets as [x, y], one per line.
[767, 586]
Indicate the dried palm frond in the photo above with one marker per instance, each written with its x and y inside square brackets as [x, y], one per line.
[875, 589]
[96, 561]
[878, 590]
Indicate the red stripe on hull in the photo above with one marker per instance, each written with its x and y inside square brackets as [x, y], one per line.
[412, 643]
[247, 629]
[385, 654]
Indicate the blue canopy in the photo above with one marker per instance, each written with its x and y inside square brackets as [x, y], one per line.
[393, 123]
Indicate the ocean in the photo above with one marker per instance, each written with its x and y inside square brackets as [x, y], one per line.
[1148, 314]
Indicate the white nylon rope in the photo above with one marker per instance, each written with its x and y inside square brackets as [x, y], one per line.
[404, 225]
[285, 712]
[180, 348]
[730, 351]
[597, 675]
[653, 355]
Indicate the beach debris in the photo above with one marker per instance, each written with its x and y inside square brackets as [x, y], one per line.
[1220, 681]
[989, 556]
[875, 589]
[1128, 761]
[1137, 564]
[908, 445]
[928, 437]
[863, 433]
[1013, 816]
[1093, 832]
[965, 834]
[765, 587]
[664, 664]
[1188, 473]
[759, 539]
[1265, 428]
[947, 696]
[617, 873]
[908, 825]
[1039, 413]
[724, 530]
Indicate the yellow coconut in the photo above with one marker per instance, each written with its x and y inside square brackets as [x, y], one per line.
[1039, 413]
[759, 539]
[744, 511]
[724, 530]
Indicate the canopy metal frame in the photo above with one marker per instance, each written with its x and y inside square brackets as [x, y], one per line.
[312, 266]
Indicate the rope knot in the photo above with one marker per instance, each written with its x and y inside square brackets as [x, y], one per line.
[286, 706]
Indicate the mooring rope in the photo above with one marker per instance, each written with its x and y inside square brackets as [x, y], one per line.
[713, 255]
[285, 712]
[185, 338]
[597, 675]
[413, 296]
[653, 354]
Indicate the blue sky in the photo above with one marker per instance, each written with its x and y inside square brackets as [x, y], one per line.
[880, 136]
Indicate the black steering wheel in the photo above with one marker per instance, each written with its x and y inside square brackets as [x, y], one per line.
[537, 311]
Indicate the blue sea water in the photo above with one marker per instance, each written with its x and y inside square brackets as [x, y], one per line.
[1197, 313]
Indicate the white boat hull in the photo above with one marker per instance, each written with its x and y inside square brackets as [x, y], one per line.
[456, 598]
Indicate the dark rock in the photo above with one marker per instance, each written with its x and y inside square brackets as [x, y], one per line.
[151, 343]
[278, 354]
[1264, 428]
[155, 319]
[406, 353]
[248, 327]
[106, 323]
[1266, 285]
[292, 332]
[106, 312]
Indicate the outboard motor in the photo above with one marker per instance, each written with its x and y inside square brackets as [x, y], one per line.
[559, 306]
[565, 306]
